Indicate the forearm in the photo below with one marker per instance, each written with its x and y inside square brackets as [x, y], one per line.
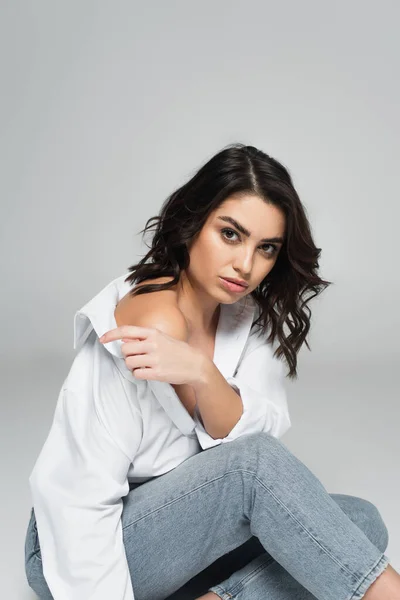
[219, 405]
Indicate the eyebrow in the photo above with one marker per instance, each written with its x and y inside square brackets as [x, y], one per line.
[246, 232]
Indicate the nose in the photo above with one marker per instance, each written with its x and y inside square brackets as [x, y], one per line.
[243, 263]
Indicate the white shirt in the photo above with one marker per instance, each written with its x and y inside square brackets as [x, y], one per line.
[110, 428]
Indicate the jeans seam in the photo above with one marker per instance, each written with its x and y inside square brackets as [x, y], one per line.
[383, 559]
[235, 471]
[306, 530]
[217, 589]
[206, 483]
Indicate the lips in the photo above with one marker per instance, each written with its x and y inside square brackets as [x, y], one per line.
[235, 282]
[232, 287]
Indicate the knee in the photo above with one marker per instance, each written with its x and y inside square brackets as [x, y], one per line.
[261, 449]
[273, 462]
[260, 442]
[380, 533]
[371, 522]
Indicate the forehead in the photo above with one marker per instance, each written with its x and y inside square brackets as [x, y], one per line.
[259, 217]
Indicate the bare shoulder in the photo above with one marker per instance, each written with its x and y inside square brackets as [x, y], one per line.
[155, 309]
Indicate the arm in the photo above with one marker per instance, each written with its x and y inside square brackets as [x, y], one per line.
[77, 485]
[260, 390]
[218, 417]
[253, 400]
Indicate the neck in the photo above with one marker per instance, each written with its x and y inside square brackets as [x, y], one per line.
[200, 310]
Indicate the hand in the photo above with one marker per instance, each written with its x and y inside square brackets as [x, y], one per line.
[152, 354]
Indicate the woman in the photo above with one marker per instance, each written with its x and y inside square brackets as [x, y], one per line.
[176, 359]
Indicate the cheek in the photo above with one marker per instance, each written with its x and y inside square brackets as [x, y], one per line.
[206, 249]
[211, 243]
[261, 268]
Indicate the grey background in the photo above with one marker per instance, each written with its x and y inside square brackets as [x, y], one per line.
[107, 107]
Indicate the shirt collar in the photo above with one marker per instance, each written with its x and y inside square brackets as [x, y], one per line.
[98, 314]
[235, 321]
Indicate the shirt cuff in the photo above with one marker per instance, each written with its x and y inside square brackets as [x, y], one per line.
[259, 414]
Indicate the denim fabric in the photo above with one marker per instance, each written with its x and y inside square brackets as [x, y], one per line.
[245, 520]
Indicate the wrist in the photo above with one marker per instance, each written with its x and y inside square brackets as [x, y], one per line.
[204, 365]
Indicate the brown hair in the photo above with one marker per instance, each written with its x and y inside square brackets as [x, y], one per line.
[283, 295]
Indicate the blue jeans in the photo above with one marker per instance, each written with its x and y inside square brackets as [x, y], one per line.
[247, 520]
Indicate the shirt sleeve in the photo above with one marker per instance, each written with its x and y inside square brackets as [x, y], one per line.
[77, 485]
[259, 380]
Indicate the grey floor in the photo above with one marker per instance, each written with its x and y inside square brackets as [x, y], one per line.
[344, 428]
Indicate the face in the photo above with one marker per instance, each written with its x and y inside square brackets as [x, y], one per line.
[222, 250]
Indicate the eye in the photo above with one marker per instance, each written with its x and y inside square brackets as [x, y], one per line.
[274, 249]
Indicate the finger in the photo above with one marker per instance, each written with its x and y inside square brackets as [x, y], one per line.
[145, 373]
[132, 347]
[139, 361]
[124, 331]
[139, 373]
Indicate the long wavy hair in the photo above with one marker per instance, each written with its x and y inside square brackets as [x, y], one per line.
[283, 295]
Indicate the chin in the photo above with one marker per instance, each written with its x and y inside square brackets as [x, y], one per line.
[230, 299]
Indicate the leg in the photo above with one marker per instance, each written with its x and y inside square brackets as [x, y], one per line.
[178, 524]
[33, 561]
[248, 571]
